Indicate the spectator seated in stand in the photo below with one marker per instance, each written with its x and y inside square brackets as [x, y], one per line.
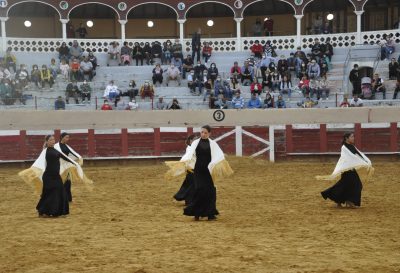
[177, 49]
[86, 91]
[132, 105]
[387, 46]
[72, 91]
[93, 60]
[137, 53]
[257, 49]
[356, 101]
[167, 52]
[269, 50]
[237, 101]
[63, 52]
[132, 90]
[111, 93]
[304, 86]
[345, 103]
[59, 104]
[157, 75]
[156, 51]
[64, 70]
[173, 74]
[314, 70]
[268, 101]
[46, 76]
[178, 63]
[126, 54]
[366, 88]
[35, 75]
[174, 104]
[121, 104]
[75, 50]
[220, 102]
[4, 73]
[160, 104]
[75, 70]
[86, 68]
[254, 102]
[323, 89]
[236, 71]
[147, 53]
[307, 102]
[378, 86]
[255, 87]
[195, 81]
[106, 106]
[206, 52]
[147, 90]
[54, 68]
[114, 53]
[207, 89]
[285, 86]
[247, 74]
[280, 103]
[22, 75]
[187, 65]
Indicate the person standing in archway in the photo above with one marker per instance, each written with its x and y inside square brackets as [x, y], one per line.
[196, 44]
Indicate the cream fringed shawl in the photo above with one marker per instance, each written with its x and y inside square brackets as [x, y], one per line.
[349, 161]
[73, 153]
[33, 175]
[218, 167]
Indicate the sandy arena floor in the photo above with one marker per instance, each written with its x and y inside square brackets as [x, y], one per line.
[272, 220]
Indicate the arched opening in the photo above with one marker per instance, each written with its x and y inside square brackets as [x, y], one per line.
[380, 15]
[44, 21]
[221, 15]
[104, 18]
[164, 20]
[273, 15]
[316, 20]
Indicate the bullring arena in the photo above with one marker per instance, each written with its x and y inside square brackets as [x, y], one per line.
[272, 216]
[253, 54]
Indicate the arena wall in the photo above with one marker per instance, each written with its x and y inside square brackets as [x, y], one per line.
[126, 134]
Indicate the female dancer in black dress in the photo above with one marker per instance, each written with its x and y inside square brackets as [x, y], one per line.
[64, 138]
[53, 201]
[187, 189]
[205, 196]
[348, 189]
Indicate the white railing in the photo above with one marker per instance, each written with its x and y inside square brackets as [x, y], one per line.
[338, 40]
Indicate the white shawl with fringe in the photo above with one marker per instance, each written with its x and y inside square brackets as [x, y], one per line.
[33, 175]
[218, 167]
[75, 155]
[349, 161]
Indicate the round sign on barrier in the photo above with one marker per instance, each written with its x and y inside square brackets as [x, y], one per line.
[219, 115]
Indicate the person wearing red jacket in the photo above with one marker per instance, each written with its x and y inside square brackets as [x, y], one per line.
[106, 106]
[255, 87]
[236, 71]
[207, 50]
[304, 85]
[257, 49]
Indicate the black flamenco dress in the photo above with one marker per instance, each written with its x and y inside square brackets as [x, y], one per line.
[53, 201]
[186, 191]
[205, 196]
[348, 188]
[67, 184]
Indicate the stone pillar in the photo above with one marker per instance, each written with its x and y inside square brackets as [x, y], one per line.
[358, 13]
[64, 29]
[181, 33]
[123, 35]
[298, 29]
[238, 34]
[3, 33]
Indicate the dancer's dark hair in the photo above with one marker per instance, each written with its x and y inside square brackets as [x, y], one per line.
[346, 136]
[207, 127]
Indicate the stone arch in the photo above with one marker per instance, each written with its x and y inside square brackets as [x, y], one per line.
[30, 1]
[151, 2]
[87, 3]
[205, 2]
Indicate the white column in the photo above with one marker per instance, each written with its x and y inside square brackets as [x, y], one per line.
[123, 35]
[239, 143]
[238, 34]
[358, 13]
[298, 29]
[3, 33]
[271, 143]
[181, 34]
[64, 29]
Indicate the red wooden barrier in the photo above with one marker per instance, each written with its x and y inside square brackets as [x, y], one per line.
[157, 142]
[91, 143]
[124, 142]
[323, 145]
